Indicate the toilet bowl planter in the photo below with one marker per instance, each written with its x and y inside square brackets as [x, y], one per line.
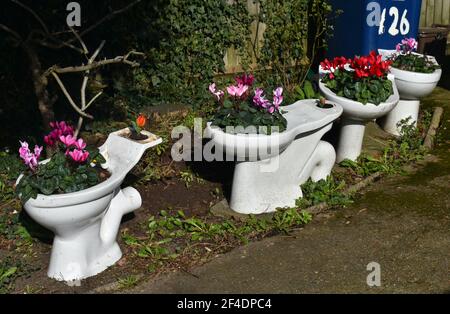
[355, 113]
[275, 148]
[270, 168]
[412, 86]
[86, 222]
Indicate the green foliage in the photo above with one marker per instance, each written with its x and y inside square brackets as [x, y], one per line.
[305, 91]
[9, 272]
[284, 219]
[192, 38]
[188, 177]
[330, 191]
[128, 282]
[414, 63]
[295, 31]
[11, 227]
[365, 90]
[10, 169]
[60, 175]
[170, 234]
[243, 114]
[407, 148]
[10, 165]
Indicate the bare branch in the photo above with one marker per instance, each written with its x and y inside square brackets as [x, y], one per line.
[58, 45]
[97, 64]
[96, 52]
[35, 15]
[93, 99]
[83, 45]
[86, 76]
[69, 98]
[16, 36]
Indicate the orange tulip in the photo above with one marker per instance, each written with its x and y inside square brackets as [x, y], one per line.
[141, 120]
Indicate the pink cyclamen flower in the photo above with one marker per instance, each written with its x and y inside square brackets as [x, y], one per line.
[245, 79]
[30, 159]
[217, 93]
[398, 47]
[24, 149]
[238, 90]
[38, 151]
[63, 127]
[79, 156]
[259, 100]
[278, 97]
[411, 43]
[59, 129]
[80, 144]
[68, 140]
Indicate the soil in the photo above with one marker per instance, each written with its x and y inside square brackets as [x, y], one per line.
[135, 136]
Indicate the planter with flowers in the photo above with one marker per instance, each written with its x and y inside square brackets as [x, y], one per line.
[275, 149]
[244, 106]
[76, 194]
[364, 89]
[416, 76]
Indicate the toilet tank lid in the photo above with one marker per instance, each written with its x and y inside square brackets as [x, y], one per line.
[305, 115]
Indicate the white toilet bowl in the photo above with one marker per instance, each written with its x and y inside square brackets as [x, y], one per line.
[354, 119]
[270, 168]
[86, 223]
[412, 86]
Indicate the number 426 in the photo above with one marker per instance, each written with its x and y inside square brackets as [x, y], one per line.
[376, 17]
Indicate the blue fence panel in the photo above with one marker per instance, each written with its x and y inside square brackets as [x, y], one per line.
[367, 25]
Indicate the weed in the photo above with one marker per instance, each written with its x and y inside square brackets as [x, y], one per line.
[128, 282]
[284, 219]
[12, 229]
[407, 148]
[30, 290]
[10, 169]
[189, 177]
[9, 272]
[329, 190]
[171, 234]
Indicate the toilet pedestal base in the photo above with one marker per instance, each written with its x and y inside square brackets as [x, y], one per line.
[82, 256]
[405, 109]
[87, 249]
[350, 139]
[264, 185]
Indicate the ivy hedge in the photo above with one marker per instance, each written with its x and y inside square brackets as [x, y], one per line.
[190, 39]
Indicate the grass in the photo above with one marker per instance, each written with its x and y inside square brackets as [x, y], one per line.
[128, 282]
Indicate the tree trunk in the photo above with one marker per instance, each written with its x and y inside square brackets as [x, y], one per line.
[40, 82]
